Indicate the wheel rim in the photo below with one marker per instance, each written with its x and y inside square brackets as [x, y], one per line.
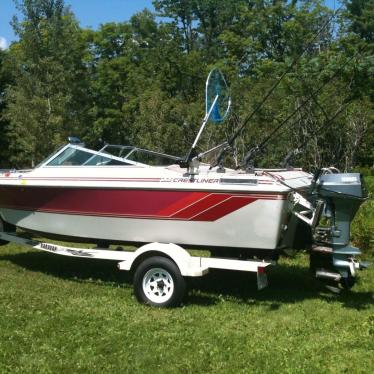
[158, 285]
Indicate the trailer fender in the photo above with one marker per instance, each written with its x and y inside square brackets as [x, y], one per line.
[187, 264]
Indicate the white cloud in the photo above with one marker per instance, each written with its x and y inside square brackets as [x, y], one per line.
[3, 43]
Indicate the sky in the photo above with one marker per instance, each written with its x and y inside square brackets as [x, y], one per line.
[90, 13]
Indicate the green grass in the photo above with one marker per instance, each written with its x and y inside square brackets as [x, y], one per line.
[74, 315]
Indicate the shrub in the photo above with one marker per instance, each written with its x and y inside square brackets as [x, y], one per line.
[362, 233]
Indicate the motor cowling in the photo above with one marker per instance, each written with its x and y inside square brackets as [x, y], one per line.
[343, 193]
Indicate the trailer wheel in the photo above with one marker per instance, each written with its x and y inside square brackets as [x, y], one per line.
[158, 282]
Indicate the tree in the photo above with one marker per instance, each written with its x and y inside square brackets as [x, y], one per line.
[49, 98]
[361, 18]
[5, 81]
[142, 81]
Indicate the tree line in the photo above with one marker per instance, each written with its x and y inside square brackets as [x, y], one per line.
[142, 81]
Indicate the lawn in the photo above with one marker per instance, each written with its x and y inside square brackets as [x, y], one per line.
[80, 316]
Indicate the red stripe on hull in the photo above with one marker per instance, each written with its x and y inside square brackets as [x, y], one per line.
[151, 204]
[182, 203]
[200, 206]
[226, 207]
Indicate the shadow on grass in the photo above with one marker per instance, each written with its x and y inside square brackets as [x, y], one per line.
[69, 268]
[287, 283]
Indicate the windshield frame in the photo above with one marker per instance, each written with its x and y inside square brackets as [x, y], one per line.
[125, 159]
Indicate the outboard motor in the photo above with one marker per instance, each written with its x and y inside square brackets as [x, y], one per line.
[332, 257]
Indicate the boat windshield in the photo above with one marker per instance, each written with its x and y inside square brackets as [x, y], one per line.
[73, 155]
[139, 155]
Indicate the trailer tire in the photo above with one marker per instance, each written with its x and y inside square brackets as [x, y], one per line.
[158, 282]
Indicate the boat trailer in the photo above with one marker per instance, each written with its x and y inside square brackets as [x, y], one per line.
[159, 268]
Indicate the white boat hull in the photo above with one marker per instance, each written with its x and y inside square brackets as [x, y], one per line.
[143, 204]
[256, 225]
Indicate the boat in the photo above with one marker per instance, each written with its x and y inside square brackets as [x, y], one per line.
[131, 195]
[125, 194]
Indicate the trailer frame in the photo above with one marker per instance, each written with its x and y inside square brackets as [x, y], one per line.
[178, 263]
